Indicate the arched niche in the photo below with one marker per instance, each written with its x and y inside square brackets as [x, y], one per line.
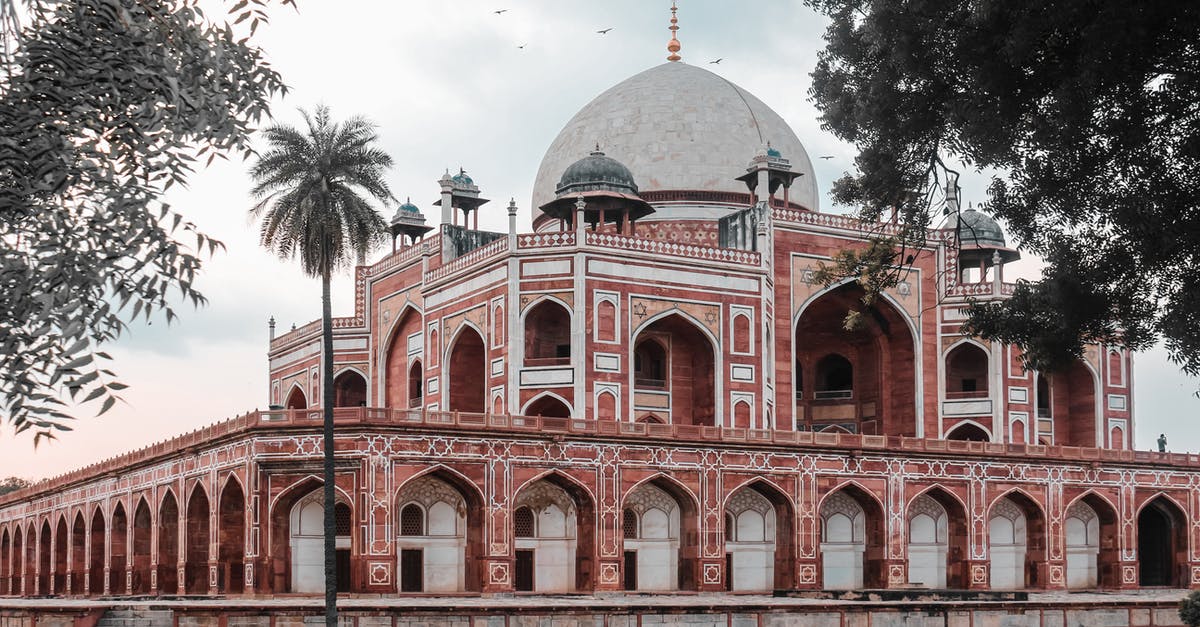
[349, 389]
[675, 360]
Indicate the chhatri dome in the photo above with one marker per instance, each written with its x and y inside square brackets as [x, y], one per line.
[677, 127]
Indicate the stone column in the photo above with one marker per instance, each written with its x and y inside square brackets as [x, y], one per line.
[498, 574]
[610, 535]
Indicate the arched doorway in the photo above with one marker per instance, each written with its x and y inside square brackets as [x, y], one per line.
[547, 334]
[553, 521]
[675, 371]
[848, 368]
[304, 533]
[296, 398]
[966, 372]
[118, 541]
[60, 555]
[142, 535]
[18, 570]
[196, 543]
[404, 351]
[45, 542]
[1081, 528]
[231, 538]
[1162, 543]
[96, 559]
[168, 544]
[937, 541]
[660, 554]
[1016, 542]
[31, 545]
[349, 389]
[549, 406]
[466, 381]
[440, 531]
[5, 562]
[758, 539]
[78, 554]
[416, 385]
[851, 540]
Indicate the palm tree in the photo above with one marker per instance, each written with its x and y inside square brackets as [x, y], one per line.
[312, 187]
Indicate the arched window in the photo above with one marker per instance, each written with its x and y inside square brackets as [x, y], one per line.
[966, 372]
[650, 364]
[741, 334]
[730, 528]
[342, 520]
[835, 377]
[349, 390]
[629, 524]
[547, 335]
[968, 432]
[523, 523]
[606, 321]
[296, 399]
[1116, 369]
[412, 520]
[416, 376]
[498, 326]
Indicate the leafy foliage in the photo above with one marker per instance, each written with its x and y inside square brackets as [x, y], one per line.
[1189, 609]
[1087, 111]
[12, 484]
[104, 105]
[310, 186]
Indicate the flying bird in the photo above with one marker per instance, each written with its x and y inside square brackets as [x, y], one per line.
[522, 46]
[826, 157]
[500, 11]
[717, 61]
[604, 31]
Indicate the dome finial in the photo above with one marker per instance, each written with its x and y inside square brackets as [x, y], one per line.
[673, 45]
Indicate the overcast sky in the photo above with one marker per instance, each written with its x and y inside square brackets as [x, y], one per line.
[450, 86]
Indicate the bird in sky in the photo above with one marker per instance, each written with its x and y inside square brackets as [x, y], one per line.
[604, 31]
[522, 46]
[717, 61]
[827, 157]
[500, 11]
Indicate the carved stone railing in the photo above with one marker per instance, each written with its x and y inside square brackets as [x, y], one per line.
[467, 260]
[833, 220]
[495, 425]
[553, 239]
[405, 255]
[663, 247]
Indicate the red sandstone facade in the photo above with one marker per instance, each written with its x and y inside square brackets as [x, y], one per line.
[644, 379]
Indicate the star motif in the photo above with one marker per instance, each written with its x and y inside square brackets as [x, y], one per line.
[639, 310]
[710, 317]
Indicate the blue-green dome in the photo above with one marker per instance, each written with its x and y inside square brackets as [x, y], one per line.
[408, 207]
[596, 172]
[976, 228]
[461, 178]
[771, 152]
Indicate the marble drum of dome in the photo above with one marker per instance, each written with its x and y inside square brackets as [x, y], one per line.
[677, 127]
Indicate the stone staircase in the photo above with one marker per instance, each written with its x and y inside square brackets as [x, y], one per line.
[124, 617]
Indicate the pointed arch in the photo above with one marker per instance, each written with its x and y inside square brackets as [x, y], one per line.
[691, 378]
[231, 536]
[967, 369]
[466, 374]
[547, 404]
[1093, 559]
[969, 431]
[851, 520]
[349, 388]
[119, 549]
[445, 564]
[1016, 540]
[676, 546]
[547, 325]
[296, 398]
[1162, 542]
[97, 534]
[398, 356]
[5, 560]
[280, 555]
[196, 541]
[143, 533]
[576, 545]
[778, 548]
[44, 549]
[60, 554]
[168, 543]
[940, 559]
[18, 562]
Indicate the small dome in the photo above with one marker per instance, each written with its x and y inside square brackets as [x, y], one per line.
[596, 172]
[979, 230]
[408, 207]
[461, 178]
[775, 154]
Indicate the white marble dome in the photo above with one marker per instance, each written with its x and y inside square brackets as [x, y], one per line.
[677, 127]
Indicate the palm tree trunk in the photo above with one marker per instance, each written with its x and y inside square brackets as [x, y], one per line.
[330, 526]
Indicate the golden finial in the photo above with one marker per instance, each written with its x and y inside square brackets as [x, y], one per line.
[673, 45]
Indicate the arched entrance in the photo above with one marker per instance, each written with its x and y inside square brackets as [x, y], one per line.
[966, 372]
[168, 544]
[660, 549]
[5, 562]
[60, 555]
[196, 543]
[862, 380]
[142, 535]
[851, 540]
[675, 371]
[96, 559]
[440, 531]
[547, 334]
[78, 554]
[231, 538]
[758, 539]
[1162, 543]
[296, 399]
[466, 381]
[416, 385]
[45, 542]
[968, 432]
[937, 541]
[304, 533]
[1016, 542]
[18, 563]
[118, 540]
[404, 351]
[552, 528]
[1081, 528]
[349, 389]
[549, 406]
